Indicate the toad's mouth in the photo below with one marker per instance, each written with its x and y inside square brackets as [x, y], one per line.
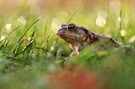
[69, 37]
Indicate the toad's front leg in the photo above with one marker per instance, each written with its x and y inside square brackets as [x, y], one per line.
[77, 48]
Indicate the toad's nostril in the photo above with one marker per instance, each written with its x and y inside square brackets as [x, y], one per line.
[60, 31]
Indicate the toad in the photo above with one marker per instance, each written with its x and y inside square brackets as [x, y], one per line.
[80, 37]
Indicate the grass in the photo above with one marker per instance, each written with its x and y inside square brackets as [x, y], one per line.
[32, 52]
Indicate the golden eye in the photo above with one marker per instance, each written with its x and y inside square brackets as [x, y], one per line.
[71, 27]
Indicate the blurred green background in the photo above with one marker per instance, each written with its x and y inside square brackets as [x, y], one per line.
[31, 53]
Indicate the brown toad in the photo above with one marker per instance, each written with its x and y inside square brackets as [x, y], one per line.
[79, 38]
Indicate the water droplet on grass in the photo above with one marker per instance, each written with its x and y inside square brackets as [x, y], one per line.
[2, 38]
[8, 27]
[21, 20]
[100, 21]
[132, 39]
[123, 32]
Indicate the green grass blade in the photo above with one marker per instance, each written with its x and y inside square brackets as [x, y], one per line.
[8, 36]
[28, 30]
[71, 17]
[17, 43]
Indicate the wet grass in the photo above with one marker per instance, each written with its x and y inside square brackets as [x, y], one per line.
[31, 52]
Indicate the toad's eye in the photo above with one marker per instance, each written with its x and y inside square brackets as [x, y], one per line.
[71, 27]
